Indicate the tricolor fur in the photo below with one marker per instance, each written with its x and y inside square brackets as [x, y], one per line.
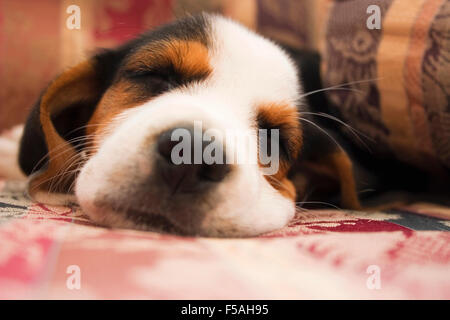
[92, 136]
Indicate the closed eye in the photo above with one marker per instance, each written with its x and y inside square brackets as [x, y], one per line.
[285, 119]
[155, 81]
[142, 73]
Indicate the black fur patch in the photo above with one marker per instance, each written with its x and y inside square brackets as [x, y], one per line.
[33, 148]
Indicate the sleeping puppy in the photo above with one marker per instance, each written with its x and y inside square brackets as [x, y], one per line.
[102, 134]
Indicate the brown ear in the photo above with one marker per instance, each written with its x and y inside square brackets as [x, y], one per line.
[339, 167]
[324, 169]
[47, 152]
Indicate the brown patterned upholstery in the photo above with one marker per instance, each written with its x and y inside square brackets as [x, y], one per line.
[403, 105]
[405, 109]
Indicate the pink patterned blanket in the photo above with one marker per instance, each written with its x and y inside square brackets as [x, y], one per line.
[56, 252]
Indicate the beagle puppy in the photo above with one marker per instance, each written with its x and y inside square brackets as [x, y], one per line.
[101, 134]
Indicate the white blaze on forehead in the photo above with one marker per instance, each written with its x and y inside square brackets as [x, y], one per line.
[250, 68]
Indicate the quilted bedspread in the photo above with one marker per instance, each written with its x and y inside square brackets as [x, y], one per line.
[321, 254]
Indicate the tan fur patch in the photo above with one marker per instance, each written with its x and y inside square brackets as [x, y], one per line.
[285, 118]
[189, 58]
[342, 165]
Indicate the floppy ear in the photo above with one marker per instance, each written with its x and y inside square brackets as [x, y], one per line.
[49, 152]
[324, 168]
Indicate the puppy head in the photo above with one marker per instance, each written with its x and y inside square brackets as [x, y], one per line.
[106, 130]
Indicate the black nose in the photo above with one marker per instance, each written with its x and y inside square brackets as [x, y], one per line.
[192, 174]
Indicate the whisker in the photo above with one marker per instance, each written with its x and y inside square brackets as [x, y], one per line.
[81, 163]
[84, 127]
[309, 93]
[354, 131]
[339, 87]
[323, 130]
[56, 156]
[304, 199]
[320, 202]
[64, 171]
[86, 139]
[278, 183]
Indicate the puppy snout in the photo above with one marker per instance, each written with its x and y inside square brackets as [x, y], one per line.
[181, 160]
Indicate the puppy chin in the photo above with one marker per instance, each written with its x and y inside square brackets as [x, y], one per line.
[239, 215]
